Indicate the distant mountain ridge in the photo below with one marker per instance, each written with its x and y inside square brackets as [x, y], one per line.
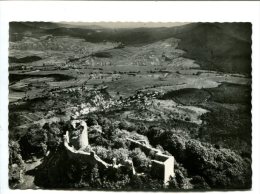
[222, 47]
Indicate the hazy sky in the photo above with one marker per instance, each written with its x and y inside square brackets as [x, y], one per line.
[127, 24]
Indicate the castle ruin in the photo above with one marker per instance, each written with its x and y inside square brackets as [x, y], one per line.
[78, 136]
[162, 165]
[77, 147]
[76, 143]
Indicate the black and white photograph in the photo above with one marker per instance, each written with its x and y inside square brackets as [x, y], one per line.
[130, 106]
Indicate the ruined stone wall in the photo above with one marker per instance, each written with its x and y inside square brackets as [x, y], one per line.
[157, 170]
[91, 157]
[83, 156]
[168, 169]
[80, 140]
[163, 167]
[145, 148]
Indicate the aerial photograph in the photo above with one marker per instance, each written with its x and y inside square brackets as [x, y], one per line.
[125, 106]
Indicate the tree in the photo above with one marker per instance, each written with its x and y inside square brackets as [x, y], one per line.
[141, 162]
[121, 154]
[136, 182]
[142, 129]
[92, 120]
[34, 142]
[54, 135]
[95, 180]
[199, 183]
[221, 168]
[172, 184]
[16, 164]
[155, 135]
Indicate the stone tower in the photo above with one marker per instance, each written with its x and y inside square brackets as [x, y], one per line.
[163, 167]
[79, 134]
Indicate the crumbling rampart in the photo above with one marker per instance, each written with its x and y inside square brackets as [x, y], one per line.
[143, 145]
[162, 165]
[76, 144]
[76, 149]
[83, 156]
